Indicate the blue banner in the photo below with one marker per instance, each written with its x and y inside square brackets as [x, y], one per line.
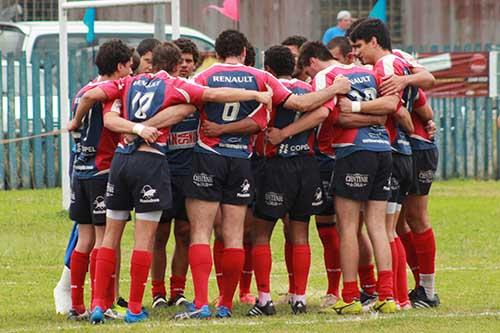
[88, 20]
[379, 10]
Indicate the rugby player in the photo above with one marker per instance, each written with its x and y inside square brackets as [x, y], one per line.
[145, 51]
[221, 169]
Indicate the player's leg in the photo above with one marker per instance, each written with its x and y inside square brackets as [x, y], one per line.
[159, 263]
[366, 269]
[299, 232]
[406, 237]
[62, 291]
[180, 262]
[246, 276]
[218, 251]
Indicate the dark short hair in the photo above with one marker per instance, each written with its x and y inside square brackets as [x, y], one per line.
[188, 46]
[280, 60]
[314, 49]
[230, 43]
[342, 43]
[147, 45]
[294, 40]
[166, 56]
[110, 54]
[354, 25]
[136, 60]
[251, 55]
[370, 28]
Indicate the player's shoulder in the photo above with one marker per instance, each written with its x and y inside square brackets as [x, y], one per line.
[391, 64]
[296, 84]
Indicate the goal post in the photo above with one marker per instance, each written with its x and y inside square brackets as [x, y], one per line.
[64, 7]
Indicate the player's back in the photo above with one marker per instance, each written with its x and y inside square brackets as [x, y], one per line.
[230, 76]
[364, 86]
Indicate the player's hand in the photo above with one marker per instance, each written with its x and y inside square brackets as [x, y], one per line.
[275, 136]
[345, 104]
[430, 128]
[266, 98]
[211, 129]
[341, 85]
[73, 125]
[129, 138]
[393, 84]
[149, 134]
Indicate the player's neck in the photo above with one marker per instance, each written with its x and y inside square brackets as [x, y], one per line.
[109, 77]
[380, 53]
[233, 61]
[285, 77]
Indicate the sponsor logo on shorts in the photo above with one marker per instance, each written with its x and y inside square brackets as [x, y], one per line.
[273, 199]
[110, 190]
[394, 184]
[148, 195]
[356, 179]
[388, 186]
[203, 180]
[245, 189]
[318, 197]
[425, 176]
[99, 205]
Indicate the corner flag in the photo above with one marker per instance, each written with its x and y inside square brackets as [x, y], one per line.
[379, 11]
[88, 20]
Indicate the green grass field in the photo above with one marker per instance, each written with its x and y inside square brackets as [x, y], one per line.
[466, 218]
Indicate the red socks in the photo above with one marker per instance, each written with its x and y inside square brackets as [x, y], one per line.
[105, 267]
[395, 258]
[78, 266]
[232, 266]
[367, 278]
[301, 265]
[139, 270]
[289, 266]
[402, 279]
[158, 288]
[246, 274]
[411, 255]
[92, 266]
[218, 252]
[384, 285]
[331, 254]
[177, 285]
[425, 247]
[262, 267]
[350, 291]
[200, 261]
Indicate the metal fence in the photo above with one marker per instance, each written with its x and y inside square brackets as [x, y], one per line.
[468, 139]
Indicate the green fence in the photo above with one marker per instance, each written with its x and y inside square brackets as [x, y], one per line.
[30, 117]
[468, 139]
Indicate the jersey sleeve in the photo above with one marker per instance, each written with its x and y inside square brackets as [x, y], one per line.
[187, 92]
[112, 106]
[321, 81]
[420, 100]
[260, 116]
[113, 88]
[280, 92]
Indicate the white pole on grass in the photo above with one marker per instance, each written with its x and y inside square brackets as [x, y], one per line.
[63, 69]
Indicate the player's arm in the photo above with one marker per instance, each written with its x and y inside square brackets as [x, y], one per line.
[424, 112]
[170, 116]
[87, 101]
[379, 106]
[228, 95]
[312, 101]
[243, 126]
[115, 123]
[403, 118]
[308, 121]
[357, 120]
[420, 78]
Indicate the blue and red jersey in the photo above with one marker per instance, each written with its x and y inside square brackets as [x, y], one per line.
[141, 97]
[299, 144]
[387, 66]
[364, 85]
[94, 144]
[243, 77]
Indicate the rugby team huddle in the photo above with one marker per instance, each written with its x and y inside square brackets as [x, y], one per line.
[340, 131]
